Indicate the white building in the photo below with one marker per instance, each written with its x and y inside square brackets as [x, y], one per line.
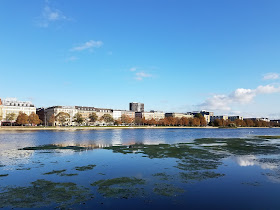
[12, 105]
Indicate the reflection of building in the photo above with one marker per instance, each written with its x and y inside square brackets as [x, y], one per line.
[136, 107]
[12, 105]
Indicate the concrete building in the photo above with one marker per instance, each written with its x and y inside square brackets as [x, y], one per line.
[221, 117]
[150, 115]
[232, 118]
[12, 105]
[117, 114]
[258, 119]
[55, 110]
[178, 115]
[207, 115]
[136, 107]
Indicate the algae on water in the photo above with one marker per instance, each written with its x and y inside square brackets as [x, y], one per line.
[43, 193]
[84, 168]
[122, 187]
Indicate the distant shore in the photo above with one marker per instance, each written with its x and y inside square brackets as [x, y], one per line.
[40, 128]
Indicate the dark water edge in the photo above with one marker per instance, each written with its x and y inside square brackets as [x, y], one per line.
[124, 169]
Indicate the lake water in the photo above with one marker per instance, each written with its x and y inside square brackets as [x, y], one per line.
[141, 168]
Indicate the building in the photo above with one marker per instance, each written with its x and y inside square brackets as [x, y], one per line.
[207, 115]
[258, 119]
[136, 107]
[221, 117]
[131, 114]
[12, 105]
[150, 115]
[233, 118]
[55, 110]
[178, 115]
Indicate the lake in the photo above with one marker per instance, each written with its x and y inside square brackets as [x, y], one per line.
[141, 168]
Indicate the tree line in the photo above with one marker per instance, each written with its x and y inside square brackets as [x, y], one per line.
[24, 119]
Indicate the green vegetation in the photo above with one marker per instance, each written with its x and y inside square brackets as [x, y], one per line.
[199, 176]
[85, 168]
[3, 175]
[162, 176]
[54, 146]
[268, 137]
[122, 187]
[167, 190]
[57, 172]
[43, 193]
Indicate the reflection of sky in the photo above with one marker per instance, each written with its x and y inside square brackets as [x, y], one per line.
[251, 160]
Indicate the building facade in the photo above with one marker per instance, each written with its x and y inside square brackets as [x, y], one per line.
[136, 107]
[178, 115]
[13, 106]
[233, 118]
[220, 117]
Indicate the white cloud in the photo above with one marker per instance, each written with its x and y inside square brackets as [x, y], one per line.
[133, 69]
[141, 75]
[271, 76]
[49, 15]
[239, 96]
[72, 58]
[88, 45]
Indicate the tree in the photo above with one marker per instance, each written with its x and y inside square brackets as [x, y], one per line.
[138, 121]
[93, 117]
[10, 117]
[34, 119]
[62, 117]
[22, 119]
[126, 119]
[218, 122]
[107, 118]
[117, 122]
[78, 118]
[51, 119]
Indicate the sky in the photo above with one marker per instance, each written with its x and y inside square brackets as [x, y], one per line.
[171, 55]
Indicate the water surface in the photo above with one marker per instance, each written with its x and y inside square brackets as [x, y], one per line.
[141, 168]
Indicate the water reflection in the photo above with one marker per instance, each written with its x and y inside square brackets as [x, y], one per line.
[252, 160]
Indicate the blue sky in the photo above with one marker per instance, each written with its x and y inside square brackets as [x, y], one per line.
[172, 55]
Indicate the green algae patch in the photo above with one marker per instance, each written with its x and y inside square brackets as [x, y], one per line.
[199, 176]
[43, 193]
[63, 174]
[268, 137]
[23, 169]
[169, 190]
[56, 147]
[122, 187]
[84, 168]
[57, 172]
[241, 146]
[3, 175]
[162, 176]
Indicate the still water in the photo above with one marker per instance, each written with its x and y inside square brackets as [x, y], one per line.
[141, 168]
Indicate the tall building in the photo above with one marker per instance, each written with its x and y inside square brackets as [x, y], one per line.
[136, 107]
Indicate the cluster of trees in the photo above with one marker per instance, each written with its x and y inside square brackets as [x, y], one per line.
[241, 123]
[24, 119]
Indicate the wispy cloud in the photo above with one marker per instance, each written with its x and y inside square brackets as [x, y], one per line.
[133, 69]
[271, 76]
[141, 75]
[88, 46]
[71, 58]
[223, 102]
[49, 15]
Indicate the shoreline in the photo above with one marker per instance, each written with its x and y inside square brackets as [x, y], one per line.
[19, 128]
